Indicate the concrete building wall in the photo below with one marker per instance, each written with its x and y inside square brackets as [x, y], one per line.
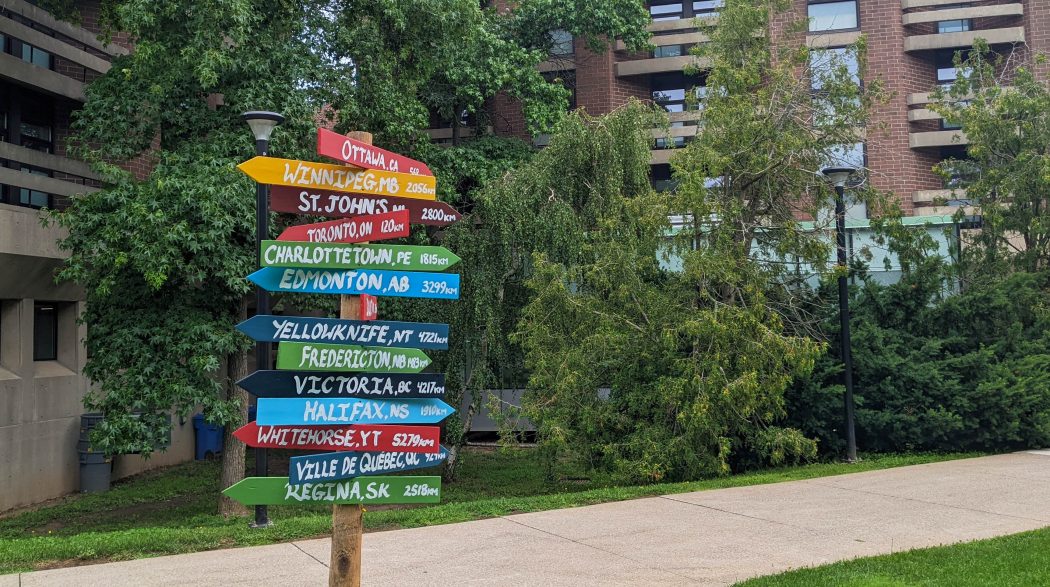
[41, 395]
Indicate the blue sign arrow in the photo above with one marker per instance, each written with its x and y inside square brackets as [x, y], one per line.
[292, 411]
[333, 466]
[404, 284]
[415, 335]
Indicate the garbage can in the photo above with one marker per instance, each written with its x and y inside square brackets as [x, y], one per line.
[208, 438]
[96, 468]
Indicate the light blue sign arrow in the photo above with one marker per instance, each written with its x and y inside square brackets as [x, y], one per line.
[333, 466]
[404, 284]
[413, 335]
[292, 411]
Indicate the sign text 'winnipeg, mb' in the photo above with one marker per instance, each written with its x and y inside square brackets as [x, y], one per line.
[340, 178]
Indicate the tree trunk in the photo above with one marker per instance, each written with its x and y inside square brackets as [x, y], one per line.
[232, 448]
[452, 462]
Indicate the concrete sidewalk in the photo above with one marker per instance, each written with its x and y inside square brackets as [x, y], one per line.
[704, 538]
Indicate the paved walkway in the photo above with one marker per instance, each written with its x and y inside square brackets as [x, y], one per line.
[704, 538]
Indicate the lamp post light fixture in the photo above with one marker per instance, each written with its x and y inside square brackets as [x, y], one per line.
[262, 125]
[838, 176]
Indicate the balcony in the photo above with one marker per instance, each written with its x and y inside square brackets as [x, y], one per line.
[937, 139]
[964, 39]
[973, 12]
[659, 65]
[950, 24]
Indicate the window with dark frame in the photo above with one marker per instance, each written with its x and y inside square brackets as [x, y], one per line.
[45, 331]
[833, 15]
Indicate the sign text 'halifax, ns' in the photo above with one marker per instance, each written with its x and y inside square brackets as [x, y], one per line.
[336, 357]
[335, 466]
[316, 412]
[362, 490]
[337, 205]
[414, 335]
[326, 384]
[356, 256]
[374, 227]
[340, 178]
[423, 439]
[355, 152]
[377, 282]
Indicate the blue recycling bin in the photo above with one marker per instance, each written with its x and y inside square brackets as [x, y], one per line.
[208, 438]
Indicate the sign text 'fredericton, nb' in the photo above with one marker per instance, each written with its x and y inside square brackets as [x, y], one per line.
[410, 284]
[336, 357]
[416, 335]
[285, 412]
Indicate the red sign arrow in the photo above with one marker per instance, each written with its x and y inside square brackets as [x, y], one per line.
[314, 202]
[359, 229]
[369, 307]
[355, 152]
[421, 439]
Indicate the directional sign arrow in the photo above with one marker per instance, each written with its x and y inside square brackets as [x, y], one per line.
[357, 256]
[354, 152]
[340, 178]
[358, 281]
[369, 307]
[416, 335]
[334, 466]
[423, 439]
[285, 412]
[325, 384]
[362, 490]
[297, 200]
[338, 357]
[374, 227]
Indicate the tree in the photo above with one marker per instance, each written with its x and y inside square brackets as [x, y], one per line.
[694, 355]
[1003, 109]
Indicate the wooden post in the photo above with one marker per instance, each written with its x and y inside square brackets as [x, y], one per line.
[347, 520]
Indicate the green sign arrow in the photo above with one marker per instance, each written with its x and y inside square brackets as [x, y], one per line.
[362, 490]
[339, 357]
[356, 256]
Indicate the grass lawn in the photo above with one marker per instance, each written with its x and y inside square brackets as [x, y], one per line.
[1019, 559]
[171, 511]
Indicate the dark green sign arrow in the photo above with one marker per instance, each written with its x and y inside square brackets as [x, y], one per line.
[361, 490]
[356, 256]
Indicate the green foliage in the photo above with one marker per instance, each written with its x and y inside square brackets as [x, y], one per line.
[966, 372]
[1004, 110]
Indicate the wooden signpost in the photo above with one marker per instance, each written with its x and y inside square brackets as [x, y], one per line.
[335, 466]
[377, 282]
[416, 335]
[339, 178]
[326, 384]
[384, 437]
[315, 202]
[362, 490]
[350, 385]
[357, 256]
[352, 230]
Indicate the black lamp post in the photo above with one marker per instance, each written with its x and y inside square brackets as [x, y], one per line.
[838, 176]
[262, 125]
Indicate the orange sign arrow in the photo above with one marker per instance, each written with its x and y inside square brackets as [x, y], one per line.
[339, 178]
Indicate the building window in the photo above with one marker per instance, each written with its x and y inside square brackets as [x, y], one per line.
[832, 16]
[707, 7]
[662, 10]
[37, 137]
[34, 198]
[36, 56]
[561, 43]
[567, 79]
[670, 90]
[824, 62]
[668, 51]
[45, 331]
[954, 26]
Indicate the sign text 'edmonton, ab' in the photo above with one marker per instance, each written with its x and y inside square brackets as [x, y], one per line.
[359, 437]
[377, 282]
[416, 335]
[362, 490]
[285, 412]
[337, 205]
[347, 465]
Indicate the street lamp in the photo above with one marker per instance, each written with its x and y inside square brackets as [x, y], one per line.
[838, 176]
[262, 125]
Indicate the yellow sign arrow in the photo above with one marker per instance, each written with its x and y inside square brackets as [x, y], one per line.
[339, 178]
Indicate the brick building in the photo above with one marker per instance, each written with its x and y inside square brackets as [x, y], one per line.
[45, 65]
[910, 47]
